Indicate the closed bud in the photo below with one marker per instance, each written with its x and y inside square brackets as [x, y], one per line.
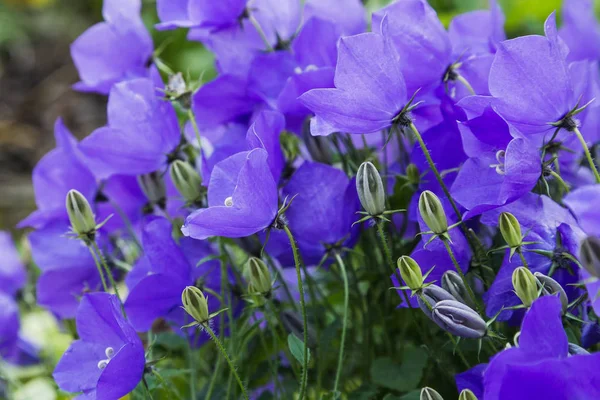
[432, 212]
[154, 188]
[428, 393]
[590, 255]
[466, 394]
[370, 189]
[195, 304]
[453, 284]
[318, 146]
[525, 285]
[410, 272]
[187, 181]
[458, 319]
[510, 230]
[258, 275]
[412, 174]
[576, 350]
[430, 296]
[81, 217]
[551, 287]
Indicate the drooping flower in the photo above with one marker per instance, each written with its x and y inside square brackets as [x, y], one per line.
[118, 49]
[242, 198]
[540, 367]
[107, 361]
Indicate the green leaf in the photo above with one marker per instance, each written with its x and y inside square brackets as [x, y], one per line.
[297, 348]
[403, 377]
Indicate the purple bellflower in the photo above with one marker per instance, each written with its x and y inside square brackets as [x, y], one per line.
[107, 361]
[580, 30]
[242, 198]
[12, 269]
[115, 50]
[206, 14]
[369, 94]
[541, 368]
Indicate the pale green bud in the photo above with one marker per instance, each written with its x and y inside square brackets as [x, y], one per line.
[154, 188]
[551, 287]
[187, 181]
[81, 217]
[258, 275]
[412, 174]
[428, 393]
[432, 212]
[466, 394]
[590, 255]
[410, 272]
[370, 189]
[525, 285]
[195, 304]
[510, 229]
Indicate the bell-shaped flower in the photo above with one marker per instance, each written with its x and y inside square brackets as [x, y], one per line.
[12, 269]
[107, 361]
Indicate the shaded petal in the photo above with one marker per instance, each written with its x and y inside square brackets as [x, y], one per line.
[123, 372]
[163, 253]
[77, 370]
[542, 332]
[264, 133]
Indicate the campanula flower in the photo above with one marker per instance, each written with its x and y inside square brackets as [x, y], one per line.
[580, 30]
[12, 269]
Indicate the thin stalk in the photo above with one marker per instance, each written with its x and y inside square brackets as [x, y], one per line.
[560, 180]
[226, 357]
[108, 273]
[192, 119]
[298, 262]
[213, 379]
[344, 321]
[460, 272]
[588, 155]
[522, 257]
[99, 267]
[260, 31]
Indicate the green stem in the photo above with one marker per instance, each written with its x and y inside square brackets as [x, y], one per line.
[522, 257]
[435, 171]
[560, 180]
[213, 380]
[99, 267]
[226, 357]
[344, 321]
[298, 262]
[192, 119]
[108, 273]
[460, 272]
[588, 155]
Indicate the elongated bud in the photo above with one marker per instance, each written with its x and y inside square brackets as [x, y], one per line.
[195, 304]
[258, 275]
[453, 284]
[576, 350]
[81, 217]
[430, 296]
[412, 174]
[187, 181]
[428, 393]
[318, 146]
[370, 189]
[154, 188]
[466, 394]
[551, 287]
[590, 255]
[432, 212]
[525, 285]
[410, 272]
[458, 319]
[510, 230]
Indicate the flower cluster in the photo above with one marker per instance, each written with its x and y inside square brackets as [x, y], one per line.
[324, 157]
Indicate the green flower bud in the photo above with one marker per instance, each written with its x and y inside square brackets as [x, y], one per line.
[590, 255]
[187, 181]
[81, 217]
[525, 285]
[510, 230]
[258, 275]
[428, 393]
[410, 272]
[154, 188]
[370, 189]
[551, 287]
[432, 212]
[195, 304]
[412, 174]
[466, 394]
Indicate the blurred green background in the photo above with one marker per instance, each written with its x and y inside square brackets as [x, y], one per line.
[36, 74]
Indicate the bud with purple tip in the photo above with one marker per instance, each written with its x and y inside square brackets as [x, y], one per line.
[458, 319]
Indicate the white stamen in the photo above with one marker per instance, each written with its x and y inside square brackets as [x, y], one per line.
[229, 202]
[102, 364]
[110, 352]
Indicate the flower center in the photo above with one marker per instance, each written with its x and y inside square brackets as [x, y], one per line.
[229, 202]
[109, 352]
[500, 157]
